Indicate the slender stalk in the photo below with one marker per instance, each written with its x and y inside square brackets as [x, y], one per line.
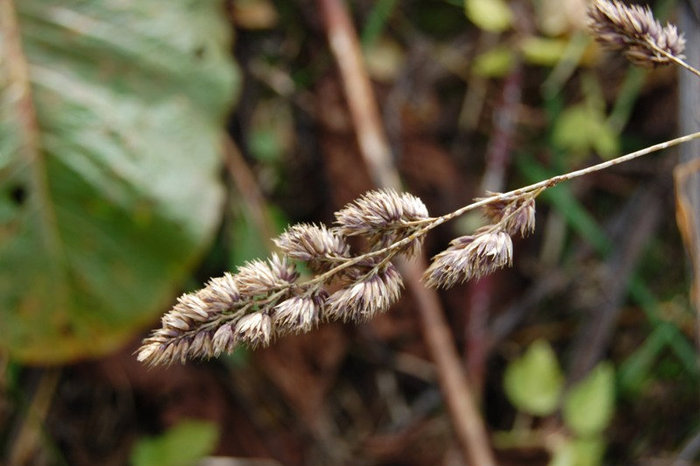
[510, 195]
[672, 57]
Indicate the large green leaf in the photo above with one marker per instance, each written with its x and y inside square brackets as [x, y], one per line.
[109, 155]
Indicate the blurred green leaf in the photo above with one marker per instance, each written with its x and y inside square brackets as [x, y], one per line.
[376, 21]
[490, 15]
[564, 454]
[494, 63]
[533, 382]
[581, 128]
[271, 132]
[264, 145]
[248, 241]
[578, 452]
[543, 50]
[589, 405]
[112, 191]
[183, 445]
[589, 451]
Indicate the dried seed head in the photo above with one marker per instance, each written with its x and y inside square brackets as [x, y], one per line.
[516, 216]
[258, 277]
[316, 245]
[470, 257]
[297, 314]
[634, 30]
[384, 216]
[363, 299]
[254, 329]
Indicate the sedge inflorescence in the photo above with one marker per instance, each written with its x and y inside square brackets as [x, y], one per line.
[265, 299]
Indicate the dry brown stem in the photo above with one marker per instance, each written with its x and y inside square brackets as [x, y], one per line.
[466, 419]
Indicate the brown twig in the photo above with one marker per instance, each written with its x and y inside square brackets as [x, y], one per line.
[469, 428]
[29, 431]
[344, 44]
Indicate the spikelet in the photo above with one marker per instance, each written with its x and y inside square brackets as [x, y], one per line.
[298, 314]
[516, 216]
[316, 245]
[259, 277]
[384, 217]
[470, 257]
[362, 300]
[634, 30]
[254, 329]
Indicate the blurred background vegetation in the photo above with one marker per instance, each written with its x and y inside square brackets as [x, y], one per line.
[147, 145]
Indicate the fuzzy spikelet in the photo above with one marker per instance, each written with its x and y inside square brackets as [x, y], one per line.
[384, 217]
[470, 257]
[379, 210]
[224, 340]
[298, 314]
[254, 329]
[316, 245]
[259, 277]
[634, 30]
[365, 298]
[517, 216]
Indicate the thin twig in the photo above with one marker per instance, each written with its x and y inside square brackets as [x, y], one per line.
[29, 433]
[345, 46]
[672, 57]
[466, 419]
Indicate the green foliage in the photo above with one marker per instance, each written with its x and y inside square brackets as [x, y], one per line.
[111, 199]
[579, 452]
[249, 242]
[489, 15]
[182, 445]
[581, 128]
[590, 404]
[494, 63]
[543, 51]
[533, 382]
[376, 21]
[585, 126]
